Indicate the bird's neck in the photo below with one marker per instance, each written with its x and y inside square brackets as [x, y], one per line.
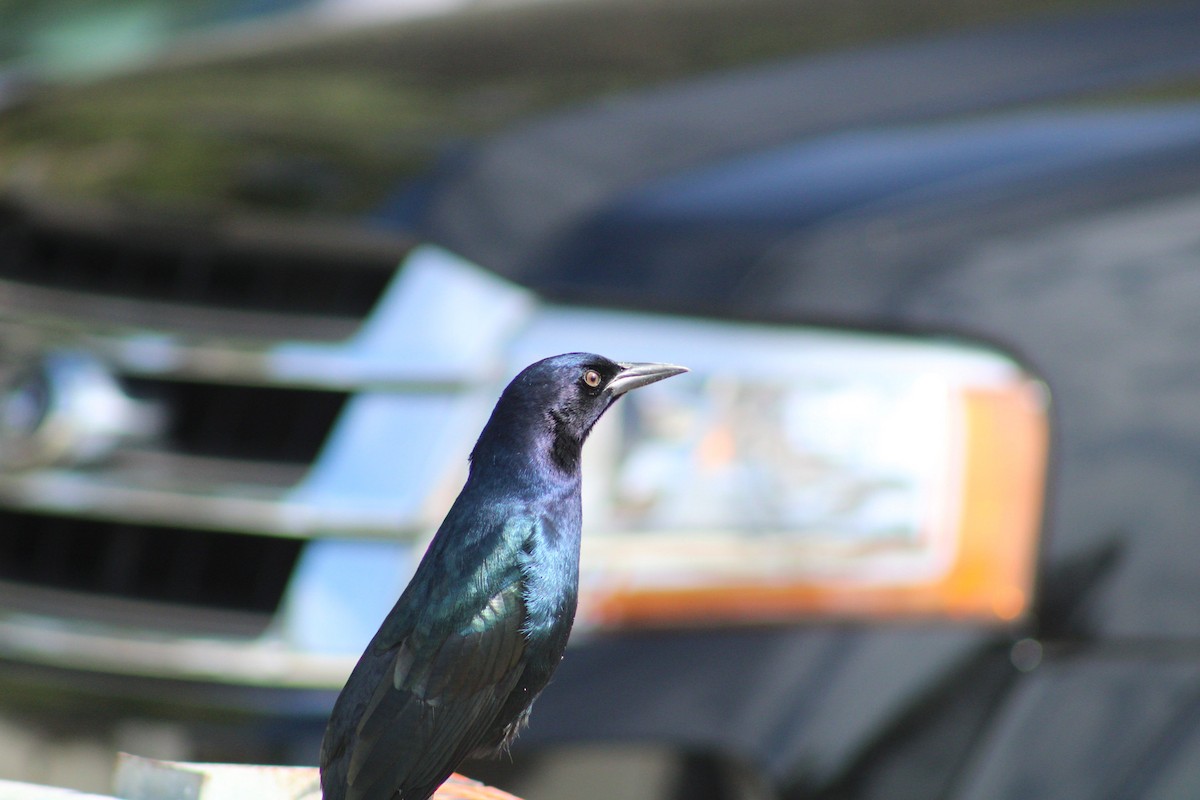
[522, 460]
[527, 448]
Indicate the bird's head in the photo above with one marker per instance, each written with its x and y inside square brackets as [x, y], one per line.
[552, 404]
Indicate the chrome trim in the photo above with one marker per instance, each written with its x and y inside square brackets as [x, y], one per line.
[234, 507]
[407, 382]
[38, 602]
[395, 349]
[257, 662]
[66, 407]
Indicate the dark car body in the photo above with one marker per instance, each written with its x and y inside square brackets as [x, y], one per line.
[1027, 180]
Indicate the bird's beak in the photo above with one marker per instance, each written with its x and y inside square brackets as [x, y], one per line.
[634, 376]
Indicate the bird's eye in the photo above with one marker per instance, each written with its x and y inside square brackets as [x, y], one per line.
[591, 378]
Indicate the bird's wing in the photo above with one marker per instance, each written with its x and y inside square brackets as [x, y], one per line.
[439, 678]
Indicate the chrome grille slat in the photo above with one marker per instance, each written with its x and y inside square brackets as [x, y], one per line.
[151, 467]
[167, 500]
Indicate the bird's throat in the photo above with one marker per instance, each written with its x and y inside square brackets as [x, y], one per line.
[566, 445]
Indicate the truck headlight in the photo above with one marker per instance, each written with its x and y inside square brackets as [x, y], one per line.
[868, 476]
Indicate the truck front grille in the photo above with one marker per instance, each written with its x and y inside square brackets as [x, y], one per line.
[200, 268]
[257, 423]
[170, 566]
[184, 528]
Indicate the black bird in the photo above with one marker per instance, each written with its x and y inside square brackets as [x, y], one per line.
[482, 625]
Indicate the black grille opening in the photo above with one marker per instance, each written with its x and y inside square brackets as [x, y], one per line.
[203, 570]
[260, 423]
[291, 277]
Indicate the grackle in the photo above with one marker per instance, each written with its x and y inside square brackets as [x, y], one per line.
[456, 665]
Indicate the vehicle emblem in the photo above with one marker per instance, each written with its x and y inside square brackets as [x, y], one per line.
[65, 407]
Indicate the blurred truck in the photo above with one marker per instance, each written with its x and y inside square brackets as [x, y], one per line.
[921, 523]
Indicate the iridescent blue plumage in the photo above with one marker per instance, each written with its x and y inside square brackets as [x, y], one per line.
[456, 665]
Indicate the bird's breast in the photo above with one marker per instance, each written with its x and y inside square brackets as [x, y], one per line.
[550, 571]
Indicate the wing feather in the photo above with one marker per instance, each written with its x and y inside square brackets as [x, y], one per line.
[430, 686]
